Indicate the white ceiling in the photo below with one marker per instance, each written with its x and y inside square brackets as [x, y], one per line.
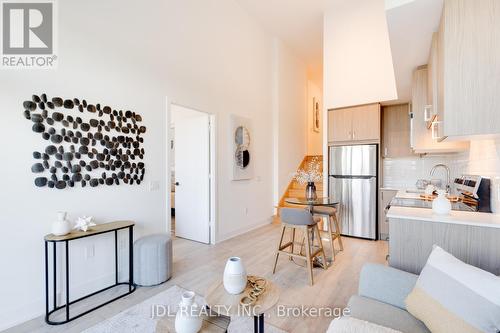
[299, 23]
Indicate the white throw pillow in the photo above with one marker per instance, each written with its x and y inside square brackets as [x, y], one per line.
[452, 296]
[354, 325]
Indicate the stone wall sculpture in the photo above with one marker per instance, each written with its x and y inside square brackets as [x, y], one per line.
[85, 144]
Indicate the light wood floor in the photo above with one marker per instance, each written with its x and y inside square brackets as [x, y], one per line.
[198, 266]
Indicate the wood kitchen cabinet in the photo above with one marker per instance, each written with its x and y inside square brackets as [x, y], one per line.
[432, 75]
[422, 141]
[396, 131]
[469, 68]
[340, 125]
[353, 124]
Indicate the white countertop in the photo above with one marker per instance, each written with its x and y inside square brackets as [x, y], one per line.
[456, 217]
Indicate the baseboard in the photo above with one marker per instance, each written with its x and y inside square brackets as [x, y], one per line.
[244, 230]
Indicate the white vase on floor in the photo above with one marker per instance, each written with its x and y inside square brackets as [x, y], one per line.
[188, 318]
[235, 276]
[441, 205]
[62, 226]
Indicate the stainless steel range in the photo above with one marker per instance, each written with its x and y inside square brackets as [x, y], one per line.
[473, 190]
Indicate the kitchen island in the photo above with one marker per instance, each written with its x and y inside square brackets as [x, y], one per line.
[470, 236]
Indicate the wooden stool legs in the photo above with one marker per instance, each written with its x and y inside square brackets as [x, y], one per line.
[336, 234]
[309, 238]
[279, 248]
[333, 233]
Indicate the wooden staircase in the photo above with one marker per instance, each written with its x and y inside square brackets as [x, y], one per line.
[297, 190]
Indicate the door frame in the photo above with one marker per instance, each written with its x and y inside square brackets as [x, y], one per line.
[213, 195]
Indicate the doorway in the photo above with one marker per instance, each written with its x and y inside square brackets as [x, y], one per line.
[191, 173]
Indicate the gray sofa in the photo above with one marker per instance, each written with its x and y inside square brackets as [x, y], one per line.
[381, 298]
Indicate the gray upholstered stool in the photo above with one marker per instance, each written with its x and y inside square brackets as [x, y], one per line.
[300, 219]
[152, 259]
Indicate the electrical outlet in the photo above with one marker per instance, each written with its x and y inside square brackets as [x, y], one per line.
[154, 186]
[89, 251]
[246, 210]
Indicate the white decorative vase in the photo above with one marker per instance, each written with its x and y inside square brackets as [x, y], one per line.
[188, 318]
[235, 276]
[441, 205]
[62, 226]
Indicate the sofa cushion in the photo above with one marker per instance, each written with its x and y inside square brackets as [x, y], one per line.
[452, 296]
[384, 315]
[354, 325]
[386, 284]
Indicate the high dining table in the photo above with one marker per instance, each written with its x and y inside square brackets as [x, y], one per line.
[319, 202]
[329, 202]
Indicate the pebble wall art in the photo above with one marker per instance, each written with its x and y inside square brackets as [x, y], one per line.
[85, 144]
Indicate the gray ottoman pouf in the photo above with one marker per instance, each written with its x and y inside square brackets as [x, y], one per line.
[152, 259]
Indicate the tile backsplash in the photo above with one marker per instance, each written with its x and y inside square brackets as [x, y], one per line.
[404, 172]
[483, 159]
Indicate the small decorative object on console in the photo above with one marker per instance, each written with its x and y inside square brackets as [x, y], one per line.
[84, 223]
[235, 276]
[62, 226]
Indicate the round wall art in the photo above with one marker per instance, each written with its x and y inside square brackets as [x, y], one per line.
[241, 140]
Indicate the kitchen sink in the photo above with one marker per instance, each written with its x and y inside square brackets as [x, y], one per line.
[414, 191]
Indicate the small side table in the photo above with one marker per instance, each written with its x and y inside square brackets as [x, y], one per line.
[220, 301]
[96, 230]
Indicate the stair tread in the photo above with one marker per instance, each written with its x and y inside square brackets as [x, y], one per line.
[297, 186]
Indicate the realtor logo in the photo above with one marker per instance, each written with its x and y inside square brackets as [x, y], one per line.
[28, 34]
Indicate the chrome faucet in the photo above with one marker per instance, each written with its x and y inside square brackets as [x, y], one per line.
[448, 187]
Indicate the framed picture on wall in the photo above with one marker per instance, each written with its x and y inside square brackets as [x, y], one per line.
[316, 115]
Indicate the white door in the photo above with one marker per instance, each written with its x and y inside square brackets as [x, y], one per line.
[192, 169]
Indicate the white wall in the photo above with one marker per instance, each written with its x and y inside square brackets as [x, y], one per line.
[357, 57]
[314, 139]
[206, 54]
[290, 144]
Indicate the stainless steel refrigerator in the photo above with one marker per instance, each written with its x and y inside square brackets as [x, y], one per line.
[353, 182]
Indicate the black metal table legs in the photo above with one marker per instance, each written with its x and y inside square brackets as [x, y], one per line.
[66, 306]
[258, 323]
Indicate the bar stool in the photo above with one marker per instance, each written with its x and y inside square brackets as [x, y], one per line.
[333, 231]
[300, 219]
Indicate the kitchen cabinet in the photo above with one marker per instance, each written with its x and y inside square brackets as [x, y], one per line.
[385, 198]
[354, 124]
[432, 77]
[396, 131]
[422, 141]
[469, 68]
[339, 125]
[412, 240]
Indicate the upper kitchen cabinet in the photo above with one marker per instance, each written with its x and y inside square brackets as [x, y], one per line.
[469, 68]
[422, 140]
[396, 131]
[354, 124]
[432, 80]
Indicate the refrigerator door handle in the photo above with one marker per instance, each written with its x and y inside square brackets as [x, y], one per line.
[353, 177]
